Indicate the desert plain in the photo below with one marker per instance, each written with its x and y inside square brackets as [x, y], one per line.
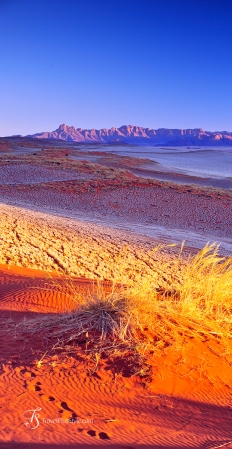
[113, 333]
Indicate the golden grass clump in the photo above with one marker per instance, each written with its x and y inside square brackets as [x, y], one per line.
[140, 318]
[203, 297]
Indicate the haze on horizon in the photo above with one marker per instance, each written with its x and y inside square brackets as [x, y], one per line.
[98, 64]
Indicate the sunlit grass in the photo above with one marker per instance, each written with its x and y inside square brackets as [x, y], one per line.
[136, 317]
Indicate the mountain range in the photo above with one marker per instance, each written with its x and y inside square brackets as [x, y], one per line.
[137, 135]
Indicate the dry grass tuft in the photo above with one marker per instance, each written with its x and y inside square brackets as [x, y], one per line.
[141, 319]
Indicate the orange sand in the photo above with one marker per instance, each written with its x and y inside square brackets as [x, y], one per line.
[185, 402]
[177, 409]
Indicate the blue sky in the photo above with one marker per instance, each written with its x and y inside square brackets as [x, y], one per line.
[104, 63]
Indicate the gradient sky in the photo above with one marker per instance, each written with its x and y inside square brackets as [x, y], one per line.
[104, 63]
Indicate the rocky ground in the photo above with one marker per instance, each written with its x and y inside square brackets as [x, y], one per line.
[41, 241]
[105, 191]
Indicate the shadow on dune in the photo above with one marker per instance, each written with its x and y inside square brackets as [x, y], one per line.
[44, 294]
[209, 445]
[24, 298]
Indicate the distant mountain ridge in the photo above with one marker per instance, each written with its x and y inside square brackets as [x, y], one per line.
[138, 135]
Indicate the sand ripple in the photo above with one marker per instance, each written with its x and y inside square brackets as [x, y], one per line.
[113, 410]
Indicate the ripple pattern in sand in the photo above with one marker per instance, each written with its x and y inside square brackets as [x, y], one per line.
[111, 409]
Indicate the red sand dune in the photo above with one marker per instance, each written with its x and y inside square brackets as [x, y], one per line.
[177, 409]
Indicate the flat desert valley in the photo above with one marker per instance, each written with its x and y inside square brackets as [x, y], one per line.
[113, 332]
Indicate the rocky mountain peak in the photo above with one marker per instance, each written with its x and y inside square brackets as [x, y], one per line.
[138, 135]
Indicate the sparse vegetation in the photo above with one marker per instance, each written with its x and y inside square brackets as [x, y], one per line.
[138, 319]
